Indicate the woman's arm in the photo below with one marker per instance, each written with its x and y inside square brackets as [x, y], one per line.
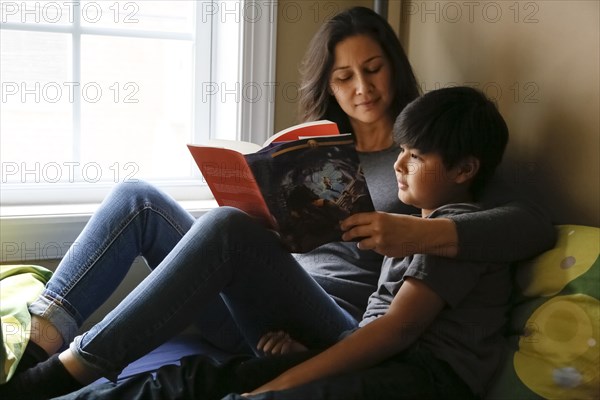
[510, 228]
[508, 233]
[398, 235]
[412, 310]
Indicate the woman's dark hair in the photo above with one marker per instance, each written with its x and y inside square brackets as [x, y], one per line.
[316, 100]
[455, 123]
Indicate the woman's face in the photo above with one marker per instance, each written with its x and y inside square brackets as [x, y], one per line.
[361, 80]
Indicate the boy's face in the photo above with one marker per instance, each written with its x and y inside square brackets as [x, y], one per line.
[425, 182]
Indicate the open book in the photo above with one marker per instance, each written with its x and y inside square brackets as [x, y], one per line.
[301, 183]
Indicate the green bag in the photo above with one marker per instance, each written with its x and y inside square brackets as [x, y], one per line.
[19, 286]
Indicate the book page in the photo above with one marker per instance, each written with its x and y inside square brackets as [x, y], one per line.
[238, 145]
[304, 130]
[231, 181]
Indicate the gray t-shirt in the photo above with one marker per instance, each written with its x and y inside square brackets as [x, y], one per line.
[467, 333]
[514, 231]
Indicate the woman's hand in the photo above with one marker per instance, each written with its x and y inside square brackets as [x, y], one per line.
[398, 235]
[279, 342]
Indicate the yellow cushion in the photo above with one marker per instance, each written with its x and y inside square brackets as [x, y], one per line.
[554, 324]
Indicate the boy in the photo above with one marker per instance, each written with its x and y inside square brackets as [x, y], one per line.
[434, 326]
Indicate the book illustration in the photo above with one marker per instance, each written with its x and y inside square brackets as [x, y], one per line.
[310, 186]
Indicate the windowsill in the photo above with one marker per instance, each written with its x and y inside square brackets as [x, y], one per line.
[70, 210]
[35, 232]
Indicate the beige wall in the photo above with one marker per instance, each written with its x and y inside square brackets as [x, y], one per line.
[539, 59]
[297, 21]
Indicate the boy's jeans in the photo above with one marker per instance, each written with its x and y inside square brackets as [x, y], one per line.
[261, 286]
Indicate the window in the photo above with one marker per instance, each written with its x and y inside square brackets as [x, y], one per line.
[98, 92]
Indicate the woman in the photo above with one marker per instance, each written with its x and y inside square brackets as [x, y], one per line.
[362, 85]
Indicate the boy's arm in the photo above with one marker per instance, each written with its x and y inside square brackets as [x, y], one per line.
[414, 307]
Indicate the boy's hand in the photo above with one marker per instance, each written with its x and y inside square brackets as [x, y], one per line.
[398, 235]
[279, 343]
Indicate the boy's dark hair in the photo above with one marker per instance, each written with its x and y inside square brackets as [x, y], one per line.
[455, 122]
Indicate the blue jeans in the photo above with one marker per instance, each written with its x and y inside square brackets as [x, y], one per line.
[224, 271]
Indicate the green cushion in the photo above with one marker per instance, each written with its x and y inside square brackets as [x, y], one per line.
[554, 343]
[19, 286]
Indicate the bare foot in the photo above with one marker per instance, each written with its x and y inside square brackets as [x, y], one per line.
[45, 335]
